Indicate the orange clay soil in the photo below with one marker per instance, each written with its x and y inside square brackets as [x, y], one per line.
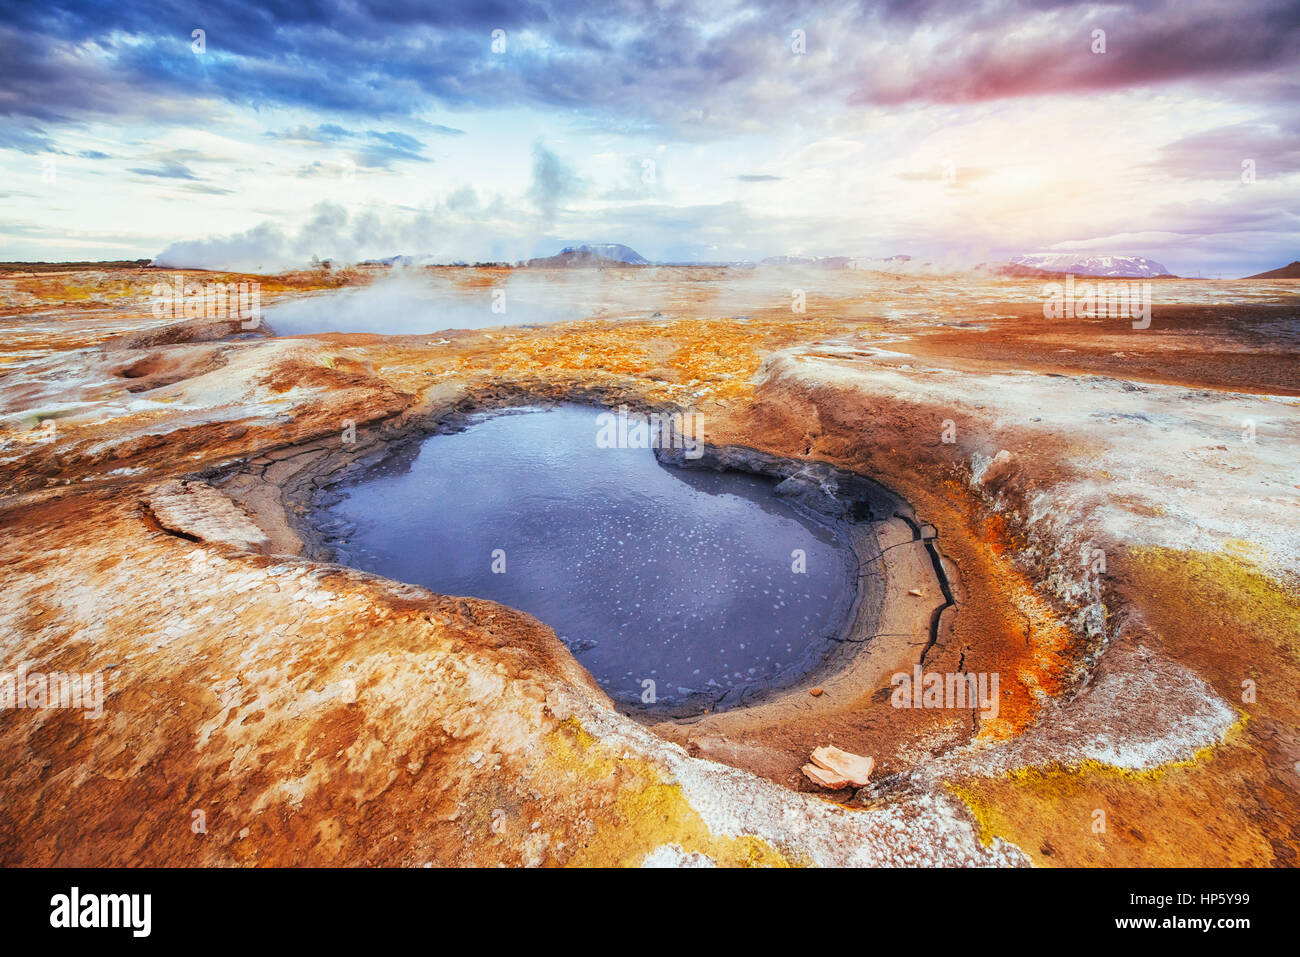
[313, 714]
[1234, 348]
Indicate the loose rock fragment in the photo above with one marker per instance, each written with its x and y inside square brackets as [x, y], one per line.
[827, 779]
[854, 768]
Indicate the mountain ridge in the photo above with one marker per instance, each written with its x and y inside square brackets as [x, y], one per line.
[1290, 271]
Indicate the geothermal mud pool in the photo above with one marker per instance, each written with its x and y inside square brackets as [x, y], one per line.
[669, 585]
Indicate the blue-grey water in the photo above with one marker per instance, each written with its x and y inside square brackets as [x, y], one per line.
[683, 578]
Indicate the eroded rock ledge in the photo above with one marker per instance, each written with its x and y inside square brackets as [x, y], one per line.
[198, 512]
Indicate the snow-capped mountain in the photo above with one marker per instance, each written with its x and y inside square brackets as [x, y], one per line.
[893, 264]
[1129, 267]
[819, 262]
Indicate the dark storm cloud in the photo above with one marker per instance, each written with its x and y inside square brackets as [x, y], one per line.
[672, 64]
[1002, 50]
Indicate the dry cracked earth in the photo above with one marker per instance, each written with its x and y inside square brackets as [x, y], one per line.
[1116, 513]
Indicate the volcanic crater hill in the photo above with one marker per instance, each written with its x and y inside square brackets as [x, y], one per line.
[320, 715]
[599, 255]
[1290, 271]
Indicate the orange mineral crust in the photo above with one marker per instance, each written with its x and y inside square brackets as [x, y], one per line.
[1103, 519]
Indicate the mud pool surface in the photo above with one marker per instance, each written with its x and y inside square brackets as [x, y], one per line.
[648, 573]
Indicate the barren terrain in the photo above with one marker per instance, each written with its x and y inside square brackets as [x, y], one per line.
[1117, 511]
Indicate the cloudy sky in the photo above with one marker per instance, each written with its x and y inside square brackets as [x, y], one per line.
[955, 131]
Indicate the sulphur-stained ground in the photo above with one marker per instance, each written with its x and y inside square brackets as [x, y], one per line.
[1116, 511]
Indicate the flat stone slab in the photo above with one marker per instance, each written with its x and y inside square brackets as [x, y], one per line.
[197, 510]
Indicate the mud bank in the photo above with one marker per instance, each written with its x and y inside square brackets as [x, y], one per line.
[283, 493]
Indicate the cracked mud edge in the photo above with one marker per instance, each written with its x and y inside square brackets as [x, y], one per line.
[940, 573]
[301, 478]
